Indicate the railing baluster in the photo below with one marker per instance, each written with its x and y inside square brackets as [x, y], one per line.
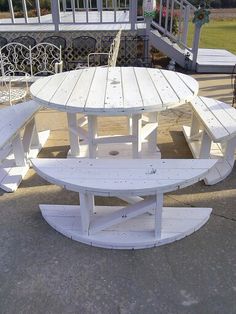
[38, 10]
[25, 11]
[64, 5]
[133, 14]
[172, 15]
[180, 19]
[12, 11]
[73, 10]
[186, 23]
[87, 13]
[160, 13]
[55, 9]
[167, 16]
[114, 6]
[99, 8]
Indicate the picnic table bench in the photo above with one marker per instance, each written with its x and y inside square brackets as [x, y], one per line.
[213, 135]
[144, 222]
[16, 149]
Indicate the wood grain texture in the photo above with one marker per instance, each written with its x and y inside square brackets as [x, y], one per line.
[129, 177]
[115, 90]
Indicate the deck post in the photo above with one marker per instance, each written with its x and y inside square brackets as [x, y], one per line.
[186, 23]
[99, 5]
[196, 40]
[55, 8]
[133, 14]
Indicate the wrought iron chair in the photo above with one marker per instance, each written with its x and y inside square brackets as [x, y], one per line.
[46, 59]
[21, 64]
[27, 41]
[3, 41]
[56, 40]
[82, 46]
[15, 67]
[111, 55]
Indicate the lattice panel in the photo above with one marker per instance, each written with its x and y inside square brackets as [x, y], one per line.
[131, 52]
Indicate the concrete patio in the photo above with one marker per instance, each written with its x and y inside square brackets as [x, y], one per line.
[42, 271]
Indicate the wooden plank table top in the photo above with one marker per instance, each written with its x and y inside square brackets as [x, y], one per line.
[115, 91]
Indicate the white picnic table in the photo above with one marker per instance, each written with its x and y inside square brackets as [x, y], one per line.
[115, 91]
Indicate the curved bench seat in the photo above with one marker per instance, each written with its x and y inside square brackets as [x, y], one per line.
[142, 223]
[213, 135]
[15, 148]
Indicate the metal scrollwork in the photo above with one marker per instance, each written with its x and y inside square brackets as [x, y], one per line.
[44, 56]
[17, 59]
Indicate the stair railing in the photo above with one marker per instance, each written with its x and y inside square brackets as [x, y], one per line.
[172, 20]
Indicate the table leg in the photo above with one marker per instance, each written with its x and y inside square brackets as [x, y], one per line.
[85, 202]
[205, 145]
[158, 215]
[136, 132]
[73, 134]
[92, 134]
[152, 138]
[18, 151]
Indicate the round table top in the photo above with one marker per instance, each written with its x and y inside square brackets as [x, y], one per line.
[114, 90]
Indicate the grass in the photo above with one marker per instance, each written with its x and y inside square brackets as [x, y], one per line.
[219, 34]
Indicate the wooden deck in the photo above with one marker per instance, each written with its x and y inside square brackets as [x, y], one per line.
[215, 61]
[110, 21]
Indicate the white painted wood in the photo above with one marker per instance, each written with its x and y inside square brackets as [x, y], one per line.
[158, 215]
[218, 118]
[125, 88]
[114, 91]
[136, 233]
[129, 177]
[225, 162]
[13, 118]
[85, 212]
[15, 148]
[195, 126]
[92, 135]
[215, 123]
[12, 175]
[18, 150]
[205, 145]
[122, 215]
[136, 131]
[73, 133]
[117, 150]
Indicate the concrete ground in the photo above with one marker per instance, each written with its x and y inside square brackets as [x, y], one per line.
[41, 271]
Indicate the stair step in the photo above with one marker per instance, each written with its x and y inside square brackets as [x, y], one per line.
[168, 47]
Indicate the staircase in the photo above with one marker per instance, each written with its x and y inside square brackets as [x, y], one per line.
[169, 32]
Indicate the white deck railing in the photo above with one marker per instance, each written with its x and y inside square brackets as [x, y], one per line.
[73, 12]
[173, 20]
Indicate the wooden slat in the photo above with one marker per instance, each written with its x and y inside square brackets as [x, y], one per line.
[112, 177]
[147, 87]
[167, 95]
[13, 118]
[114, 90]
[218, 118]
[180, 88]
[47, 91]
[63, 93]
[131, 90]
[136, 233]
[78, 97]
[191, 83]
[96, 97]
[123, 214]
